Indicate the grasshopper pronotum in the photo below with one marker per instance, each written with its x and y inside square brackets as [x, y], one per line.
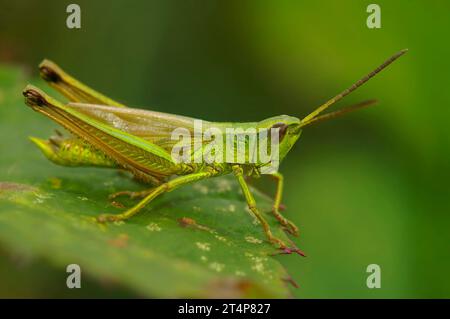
[105, 133]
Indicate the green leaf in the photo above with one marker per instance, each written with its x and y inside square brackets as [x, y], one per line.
[197, 241]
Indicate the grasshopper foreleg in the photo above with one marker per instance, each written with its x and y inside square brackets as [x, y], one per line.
[238, 172]
[290, 226]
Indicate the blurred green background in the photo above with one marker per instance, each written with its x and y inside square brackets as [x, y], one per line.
[368, 188]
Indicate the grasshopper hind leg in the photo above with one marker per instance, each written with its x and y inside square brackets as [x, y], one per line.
[70, 87]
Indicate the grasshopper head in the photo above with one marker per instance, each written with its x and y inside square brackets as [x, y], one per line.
[289, 130]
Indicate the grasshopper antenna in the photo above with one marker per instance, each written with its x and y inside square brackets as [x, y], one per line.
[337, 113]
[320, 109]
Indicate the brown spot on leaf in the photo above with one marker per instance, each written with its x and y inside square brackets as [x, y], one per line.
[55, 183]
[189, 222]
[186, 222]
[10, 190]
[15, 187]
[230, 288]
[120, 241]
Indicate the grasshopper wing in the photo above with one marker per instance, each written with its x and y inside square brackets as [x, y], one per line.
[154, 127]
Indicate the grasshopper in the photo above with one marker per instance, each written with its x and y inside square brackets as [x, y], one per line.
[106, 133]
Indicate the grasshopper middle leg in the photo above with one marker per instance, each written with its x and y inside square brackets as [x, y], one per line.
[131, 194]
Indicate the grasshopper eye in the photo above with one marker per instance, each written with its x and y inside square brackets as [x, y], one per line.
[282, 130]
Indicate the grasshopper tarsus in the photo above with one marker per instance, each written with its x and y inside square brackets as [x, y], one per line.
[289, 226]
[290, 250]
[291, 229]
[283, 249]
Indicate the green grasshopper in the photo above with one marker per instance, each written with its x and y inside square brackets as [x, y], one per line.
[105, 133]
